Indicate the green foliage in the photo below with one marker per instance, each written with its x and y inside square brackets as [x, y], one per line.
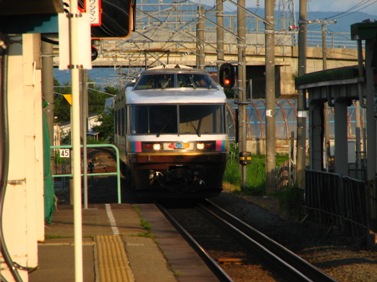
[96, 100]
[232, 172]
[96, 106]
[255, 172]
[256, 175]
[62, 109]
[106, 128]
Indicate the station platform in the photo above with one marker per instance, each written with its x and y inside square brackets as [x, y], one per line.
[116, 247]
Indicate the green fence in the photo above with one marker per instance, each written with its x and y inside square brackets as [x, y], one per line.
[63, 151]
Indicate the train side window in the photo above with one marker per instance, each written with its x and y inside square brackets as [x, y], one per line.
[122, 122]
[139, 117]
[126, 126]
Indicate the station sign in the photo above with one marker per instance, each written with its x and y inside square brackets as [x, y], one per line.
[94, 9]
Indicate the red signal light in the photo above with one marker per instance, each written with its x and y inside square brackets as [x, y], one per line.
[227, 75]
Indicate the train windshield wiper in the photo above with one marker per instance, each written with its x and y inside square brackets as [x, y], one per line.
[163, 85]
[192, 82]
[197, 131]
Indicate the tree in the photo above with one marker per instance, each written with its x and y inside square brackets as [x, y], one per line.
[96, 106]
[106, 128]
[62, 109]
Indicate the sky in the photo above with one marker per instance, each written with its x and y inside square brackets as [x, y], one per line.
[367, 6]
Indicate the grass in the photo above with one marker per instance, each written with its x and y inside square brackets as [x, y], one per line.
[145, 224]
[255, 172]
[290, 198]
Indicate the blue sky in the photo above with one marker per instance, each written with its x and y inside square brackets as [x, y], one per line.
[367, 6]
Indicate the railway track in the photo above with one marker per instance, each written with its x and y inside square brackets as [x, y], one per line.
[281, 262]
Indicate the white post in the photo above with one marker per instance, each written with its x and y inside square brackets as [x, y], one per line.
[75, 77]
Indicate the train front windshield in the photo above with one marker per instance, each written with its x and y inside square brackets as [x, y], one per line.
[180, 80]
[177, 119]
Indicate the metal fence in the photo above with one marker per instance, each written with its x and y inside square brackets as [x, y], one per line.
[337, 201]
[63, 170]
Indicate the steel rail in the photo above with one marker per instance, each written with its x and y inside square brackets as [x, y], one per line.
[208, 260]
[288, 263]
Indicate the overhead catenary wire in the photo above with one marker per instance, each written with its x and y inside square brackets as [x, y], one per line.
[363, 4]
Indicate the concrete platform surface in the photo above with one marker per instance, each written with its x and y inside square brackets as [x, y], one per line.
[117, 248]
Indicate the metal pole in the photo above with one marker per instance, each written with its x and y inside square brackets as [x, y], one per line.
[270, 98]
[301, 103]
[75, 77]
[220, 34]
[84, 130]
[242, 83]
[326, 106]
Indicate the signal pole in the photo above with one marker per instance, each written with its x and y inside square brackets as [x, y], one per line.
[270, 97]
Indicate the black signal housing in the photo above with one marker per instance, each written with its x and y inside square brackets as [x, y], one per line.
[227, 75]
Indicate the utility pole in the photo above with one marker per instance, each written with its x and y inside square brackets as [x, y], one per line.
[270, 97]
[220, 34]
[326, 106]
[301, 103]
[242, 83]
[200, 26]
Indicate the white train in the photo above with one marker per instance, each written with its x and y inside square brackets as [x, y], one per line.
[170, 128]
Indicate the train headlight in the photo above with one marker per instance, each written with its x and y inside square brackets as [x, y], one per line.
[156, 146]
[200, 146]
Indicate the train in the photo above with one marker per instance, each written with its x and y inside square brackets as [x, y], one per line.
[170, 129]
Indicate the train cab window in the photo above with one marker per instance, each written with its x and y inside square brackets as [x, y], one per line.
[201, 119]
[163, 119]
[145, 82]
[161, 81]
[156, 119]
[195, 81]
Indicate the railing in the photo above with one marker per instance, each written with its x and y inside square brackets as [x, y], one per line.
[337, 201]
[117, 173]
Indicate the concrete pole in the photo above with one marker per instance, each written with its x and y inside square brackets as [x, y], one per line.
[48, 85]
[371, 132]
[270, 97]
[242, 83]
[301, 103]
[75, 81]
[200, 48]
[220, 34]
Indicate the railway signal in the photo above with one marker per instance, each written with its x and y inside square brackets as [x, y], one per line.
[227, 75]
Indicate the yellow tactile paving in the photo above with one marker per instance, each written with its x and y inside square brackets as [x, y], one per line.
[113, 263]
